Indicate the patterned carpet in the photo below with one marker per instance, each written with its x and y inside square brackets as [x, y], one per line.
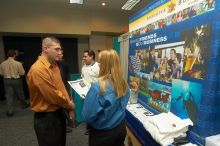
[18, 130]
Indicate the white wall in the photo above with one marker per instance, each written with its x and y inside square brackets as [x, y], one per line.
[35, 16]
[83, 44]
[52, 17]
[97, 42]
[100, 42]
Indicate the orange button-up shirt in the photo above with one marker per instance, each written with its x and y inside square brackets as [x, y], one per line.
[47, 91]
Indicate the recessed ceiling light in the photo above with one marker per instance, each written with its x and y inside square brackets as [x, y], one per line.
[76, 1]
[103, 4]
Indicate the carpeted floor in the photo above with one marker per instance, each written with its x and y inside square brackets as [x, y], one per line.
[18, 130]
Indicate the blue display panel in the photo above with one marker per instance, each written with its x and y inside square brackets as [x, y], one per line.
[174, 50]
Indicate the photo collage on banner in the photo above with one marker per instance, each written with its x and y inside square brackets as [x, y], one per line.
[167, 15]
[169, 52]
[186, 99]
[197, 51]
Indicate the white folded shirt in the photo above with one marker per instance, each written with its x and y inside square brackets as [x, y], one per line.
[165, 127]
[169, 123]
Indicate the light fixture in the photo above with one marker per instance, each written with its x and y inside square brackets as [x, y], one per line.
[76, 1]
[130, 4]
[103, 4]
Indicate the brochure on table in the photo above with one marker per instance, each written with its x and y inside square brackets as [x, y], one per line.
[80, 86]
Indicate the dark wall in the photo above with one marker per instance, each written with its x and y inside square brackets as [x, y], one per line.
[30, 48]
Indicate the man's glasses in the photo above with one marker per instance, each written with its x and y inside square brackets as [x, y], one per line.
[57, 49]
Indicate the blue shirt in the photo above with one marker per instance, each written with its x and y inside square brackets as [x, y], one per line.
[104, 111]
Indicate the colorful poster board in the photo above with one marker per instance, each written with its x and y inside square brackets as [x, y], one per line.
[174, 51]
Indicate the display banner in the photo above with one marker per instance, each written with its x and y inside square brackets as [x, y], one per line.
[174, 51]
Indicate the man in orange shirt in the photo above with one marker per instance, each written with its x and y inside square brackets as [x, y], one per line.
[48, 95]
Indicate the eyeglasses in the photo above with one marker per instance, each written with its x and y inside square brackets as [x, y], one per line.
[57, 49]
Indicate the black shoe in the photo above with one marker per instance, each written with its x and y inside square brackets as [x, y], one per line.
[9, 114]
[68, 129]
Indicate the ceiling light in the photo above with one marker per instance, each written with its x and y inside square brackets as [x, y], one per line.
[130, 4]
[76, 1]
[103, 4]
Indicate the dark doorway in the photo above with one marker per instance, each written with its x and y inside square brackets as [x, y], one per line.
[71, 53]
[29, 49]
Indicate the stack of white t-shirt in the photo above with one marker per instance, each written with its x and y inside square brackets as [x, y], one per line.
[165, 127]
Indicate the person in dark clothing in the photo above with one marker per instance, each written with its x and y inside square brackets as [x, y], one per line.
[64, 71]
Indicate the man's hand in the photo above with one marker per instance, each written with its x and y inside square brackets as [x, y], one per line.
[70, 105]
[71, 114]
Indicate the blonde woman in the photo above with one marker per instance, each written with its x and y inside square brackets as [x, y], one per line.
[105, 103]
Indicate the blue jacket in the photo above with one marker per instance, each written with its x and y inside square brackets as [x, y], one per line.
[106, 111]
